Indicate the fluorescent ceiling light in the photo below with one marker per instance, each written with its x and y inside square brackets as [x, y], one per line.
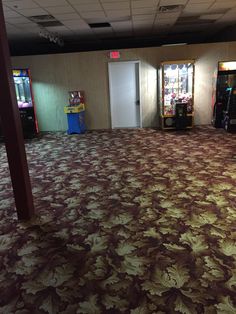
[177, 44]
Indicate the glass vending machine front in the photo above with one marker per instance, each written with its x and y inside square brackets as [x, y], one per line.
[25, 102]
[177, 87]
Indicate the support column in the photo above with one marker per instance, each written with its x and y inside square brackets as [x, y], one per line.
[12, 130]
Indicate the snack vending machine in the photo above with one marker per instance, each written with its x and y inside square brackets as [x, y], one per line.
[176, 94]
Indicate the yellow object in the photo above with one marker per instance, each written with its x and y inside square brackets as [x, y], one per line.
[74, 109]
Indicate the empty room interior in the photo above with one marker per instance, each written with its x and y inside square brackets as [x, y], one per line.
[118, 156]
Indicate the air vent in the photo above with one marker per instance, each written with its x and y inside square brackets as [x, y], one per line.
[170, 8]
[50, 24]
[99, 25]
[42, 18]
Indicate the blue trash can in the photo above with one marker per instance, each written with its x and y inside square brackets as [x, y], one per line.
[76, 122]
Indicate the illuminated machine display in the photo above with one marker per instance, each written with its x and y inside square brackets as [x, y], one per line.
[176, 90]
[25, 101]
[224, 96]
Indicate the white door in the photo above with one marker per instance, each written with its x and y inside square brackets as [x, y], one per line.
[124, 94]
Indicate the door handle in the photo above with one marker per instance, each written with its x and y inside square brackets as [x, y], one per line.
[137, 102]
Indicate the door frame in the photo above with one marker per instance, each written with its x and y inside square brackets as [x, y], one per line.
[139, 85]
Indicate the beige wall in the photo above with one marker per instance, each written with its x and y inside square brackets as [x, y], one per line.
[54, 75]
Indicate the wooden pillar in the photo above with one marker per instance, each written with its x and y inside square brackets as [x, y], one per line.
[12, 130]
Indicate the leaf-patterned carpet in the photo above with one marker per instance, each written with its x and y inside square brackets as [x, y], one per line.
[128, 221]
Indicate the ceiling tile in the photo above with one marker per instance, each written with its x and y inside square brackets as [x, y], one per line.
[18, 20]
[136, 11]
[105, 1]
[67, 16]
[170, 16]
[32, 12]
[75, 2]
[21, 4]
[196, 8]
[223, 5]
[144, 3]
[103, 31]
[201, 1]
[125, 25]
[12, 29]
[84, 32]
[143, 17]
[51, 3]
[172, 2]
[117, 13]
[75, 24]
[6, 8]
[165, 22]
[116, 6]
[211, 16]
[88, 7]
[93, 14]
[28, 26]
[57, 29]
[124, 34]
[60, 10]
[228, 17]
[142, 23]
[11, 13]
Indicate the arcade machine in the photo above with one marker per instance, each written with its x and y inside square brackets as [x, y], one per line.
[224, 96]
[176, 89]
[24, 95]
[25, 103]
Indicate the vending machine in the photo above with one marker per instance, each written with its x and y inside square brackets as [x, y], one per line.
[25, 101]
[224, 96]
[176, 94]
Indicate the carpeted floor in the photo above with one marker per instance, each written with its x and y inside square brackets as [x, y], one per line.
[129, 221]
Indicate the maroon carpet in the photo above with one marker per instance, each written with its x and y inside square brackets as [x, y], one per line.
[128, 221]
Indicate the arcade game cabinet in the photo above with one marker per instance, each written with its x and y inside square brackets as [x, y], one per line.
[176, 89]
[24, 95]
[224, 96]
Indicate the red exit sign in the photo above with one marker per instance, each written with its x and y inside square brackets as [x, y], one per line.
[114, 55]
